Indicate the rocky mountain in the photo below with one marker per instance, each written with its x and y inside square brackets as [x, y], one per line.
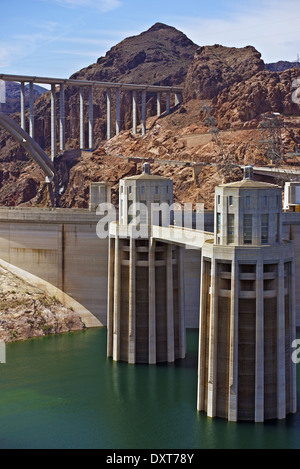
[216, 68]
[160, 56]
[228, 94]
[282, 65]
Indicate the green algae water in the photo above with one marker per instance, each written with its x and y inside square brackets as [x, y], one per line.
[61, 392]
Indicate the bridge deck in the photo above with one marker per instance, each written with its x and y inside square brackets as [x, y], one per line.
[187, 237]
[100, 84]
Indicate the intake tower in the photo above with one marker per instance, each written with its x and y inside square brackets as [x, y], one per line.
[146, 308]
[247, 309]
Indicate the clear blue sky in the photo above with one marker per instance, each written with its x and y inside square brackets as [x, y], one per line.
[58, 37]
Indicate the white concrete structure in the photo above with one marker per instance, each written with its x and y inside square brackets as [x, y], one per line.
[100, 193]
[146, 303]
[247, 308]
[291, 201]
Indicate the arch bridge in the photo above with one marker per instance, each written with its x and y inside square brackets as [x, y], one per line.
[110, 88]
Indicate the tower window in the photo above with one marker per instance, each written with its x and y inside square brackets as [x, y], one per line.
[156, 189]
[230, 200]
[218, 223]
[130, 214]
[248, 200]
[230, 228]
[130, 189]
[265, 200]
[264, 229]
[247, 229]
[219, 199]
[143, 189]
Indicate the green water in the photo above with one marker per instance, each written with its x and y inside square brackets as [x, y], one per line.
[62, 392]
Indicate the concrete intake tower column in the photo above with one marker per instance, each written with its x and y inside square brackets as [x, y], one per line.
[146, 281]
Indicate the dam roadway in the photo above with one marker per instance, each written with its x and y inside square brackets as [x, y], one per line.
[61, 246]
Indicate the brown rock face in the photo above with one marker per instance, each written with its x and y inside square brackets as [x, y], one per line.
[26, 312]
[217, 67]
[282, 65]
[159, 56]
[262, 93]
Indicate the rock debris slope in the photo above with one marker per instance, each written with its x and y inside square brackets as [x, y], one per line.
[26, 311]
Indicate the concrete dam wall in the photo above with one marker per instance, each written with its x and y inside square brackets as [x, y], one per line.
[61, 246]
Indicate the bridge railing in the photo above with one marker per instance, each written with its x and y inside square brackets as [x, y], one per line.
[187, 237]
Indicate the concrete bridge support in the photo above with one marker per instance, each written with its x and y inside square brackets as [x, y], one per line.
[158, 104]
[53, 122]
[168, 103]
[118, 111]
[31, 111]
[81, 117]
[22, 96]
[134, 112]
[108, 128]
[143, 112]
[82, 84]
[62, 126]
[91, 119]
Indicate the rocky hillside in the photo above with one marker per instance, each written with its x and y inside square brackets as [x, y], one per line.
[282, 65]
[27, 312]
[225, 120]
[216, 68]
[160, 56]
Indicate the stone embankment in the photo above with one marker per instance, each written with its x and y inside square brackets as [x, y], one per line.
[26, 311]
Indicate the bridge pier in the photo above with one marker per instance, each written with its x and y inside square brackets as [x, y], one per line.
[134, 112]
[53, 122]
[178, 99]
[22, 96]
[108, 114]
[143, 89]
[118, 111]
[31, 110]
[168, 102]
[91, 119]
[158, 104]
[81, 118]
[143, 112]
[62, 117]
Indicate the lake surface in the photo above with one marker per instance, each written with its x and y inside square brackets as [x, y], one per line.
[62, 392]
